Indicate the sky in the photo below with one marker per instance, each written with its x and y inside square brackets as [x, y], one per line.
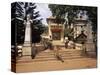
[44, 11]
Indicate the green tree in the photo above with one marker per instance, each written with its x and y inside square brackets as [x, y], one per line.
[17, 26]
[19, 10]
[61, 10]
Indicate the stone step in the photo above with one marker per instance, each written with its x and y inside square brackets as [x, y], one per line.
[54, 58]
[51, 52]
[40, 57]
[61, 53]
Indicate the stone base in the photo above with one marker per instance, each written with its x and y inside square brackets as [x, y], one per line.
[90, 47]
[26, 50]
[27, 43]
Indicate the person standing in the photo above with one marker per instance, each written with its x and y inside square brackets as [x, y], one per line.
[56, 53]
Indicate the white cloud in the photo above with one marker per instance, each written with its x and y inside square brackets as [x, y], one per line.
[44, 11]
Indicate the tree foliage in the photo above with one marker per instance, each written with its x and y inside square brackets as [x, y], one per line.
[19, 11]
[61, 10]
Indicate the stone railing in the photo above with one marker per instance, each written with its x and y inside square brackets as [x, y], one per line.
[78, 46]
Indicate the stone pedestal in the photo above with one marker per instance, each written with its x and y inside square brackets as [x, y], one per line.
[90, 45]
[27, 47]
[26, 50]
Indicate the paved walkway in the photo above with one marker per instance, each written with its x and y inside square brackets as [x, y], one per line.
[80, 63]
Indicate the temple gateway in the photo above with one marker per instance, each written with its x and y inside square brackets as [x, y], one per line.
[55, 29]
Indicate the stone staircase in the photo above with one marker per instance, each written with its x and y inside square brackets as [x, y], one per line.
[49, 55]
[64, 54]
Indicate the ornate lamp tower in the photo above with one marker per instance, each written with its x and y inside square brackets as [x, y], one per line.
[27, 42]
